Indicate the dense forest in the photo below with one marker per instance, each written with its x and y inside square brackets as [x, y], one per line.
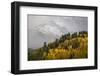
[68, 46]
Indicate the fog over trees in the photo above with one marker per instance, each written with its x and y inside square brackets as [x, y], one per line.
[49, 28]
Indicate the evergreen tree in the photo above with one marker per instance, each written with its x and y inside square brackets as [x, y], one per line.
[45, 48]
[74, 35]
[68, 36]
[56, 43]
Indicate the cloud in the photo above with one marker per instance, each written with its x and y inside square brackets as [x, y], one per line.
[47, 28]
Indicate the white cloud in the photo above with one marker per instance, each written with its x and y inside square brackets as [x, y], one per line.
[49, 29]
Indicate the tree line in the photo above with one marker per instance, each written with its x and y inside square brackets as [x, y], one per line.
[66, 42]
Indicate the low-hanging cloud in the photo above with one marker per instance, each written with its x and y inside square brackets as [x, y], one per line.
[43, 28]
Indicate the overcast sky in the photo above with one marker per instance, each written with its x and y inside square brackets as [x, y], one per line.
[42, 28]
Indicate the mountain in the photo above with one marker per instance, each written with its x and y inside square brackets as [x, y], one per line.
[46, 28]
[68, 46]
[44, 33]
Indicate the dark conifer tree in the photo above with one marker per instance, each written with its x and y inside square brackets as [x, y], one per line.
[45, 48]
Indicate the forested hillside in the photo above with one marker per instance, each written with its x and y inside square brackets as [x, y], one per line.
[68, 46]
